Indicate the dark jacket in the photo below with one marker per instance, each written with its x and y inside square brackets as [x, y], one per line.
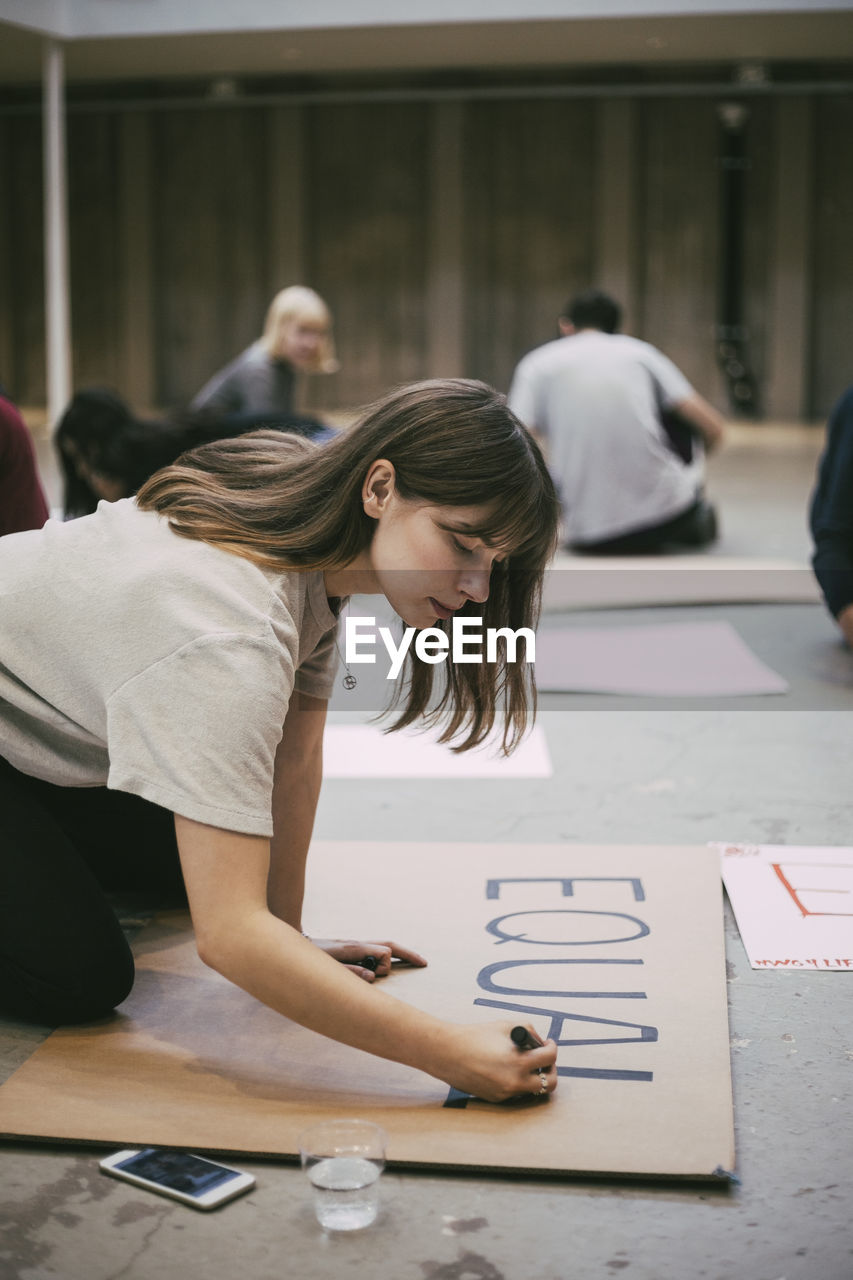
[831, 515]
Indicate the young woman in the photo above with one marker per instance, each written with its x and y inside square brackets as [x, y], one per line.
[297, 338]
[164, 670]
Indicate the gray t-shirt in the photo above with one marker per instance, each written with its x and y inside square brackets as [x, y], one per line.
[596, 398]
[252, 383]
[155, 664]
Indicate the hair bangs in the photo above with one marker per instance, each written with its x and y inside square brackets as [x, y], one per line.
[522, 527]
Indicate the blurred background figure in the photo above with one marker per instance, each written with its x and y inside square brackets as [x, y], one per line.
[297, 338]
[105, 451]
[22, 501]
[831, 516]
[625, 434]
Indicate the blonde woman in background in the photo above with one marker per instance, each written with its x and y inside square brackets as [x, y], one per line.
[297, 338]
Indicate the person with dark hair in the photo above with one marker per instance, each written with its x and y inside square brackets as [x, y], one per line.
[105, 452]
[165, 665]
[831, 516]
[22, 501]
[593, 309]
[628, 483]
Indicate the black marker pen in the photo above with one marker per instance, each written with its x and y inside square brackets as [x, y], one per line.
[525, 1039]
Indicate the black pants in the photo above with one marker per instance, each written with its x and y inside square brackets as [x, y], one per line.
[63, 956]
[695, 527]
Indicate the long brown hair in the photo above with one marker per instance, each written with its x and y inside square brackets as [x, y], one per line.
[287, 504]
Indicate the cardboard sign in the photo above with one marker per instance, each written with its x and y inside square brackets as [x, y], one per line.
[615, 951]
[793, 904]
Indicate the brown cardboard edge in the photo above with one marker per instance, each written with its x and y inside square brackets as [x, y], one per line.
[726, 1178]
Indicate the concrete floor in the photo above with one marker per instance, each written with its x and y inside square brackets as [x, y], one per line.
[761, 481]
[625, 770]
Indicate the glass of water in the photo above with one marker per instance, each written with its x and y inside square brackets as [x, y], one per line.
[343, 1160]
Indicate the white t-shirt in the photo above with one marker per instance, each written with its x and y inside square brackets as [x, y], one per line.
[594, 397]
[151, 663]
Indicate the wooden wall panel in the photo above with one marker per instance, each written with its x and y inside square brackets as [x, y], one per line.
[134, 195]
[758, 214]
[679, 236]
[528, 176]
[285, 197]
[615, 210]
[93, 249]
[23, 187]
[210, 243]
[445, 338]
[366, 200]
[791, 237]
[446, 237]
[7, 300]
[832, 359]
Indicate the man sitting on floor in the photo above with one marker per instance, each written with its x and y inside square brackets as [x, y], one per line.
[601, 400]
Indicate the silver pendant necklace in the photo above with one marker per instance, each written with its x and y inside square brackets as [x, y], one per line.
[348, 680]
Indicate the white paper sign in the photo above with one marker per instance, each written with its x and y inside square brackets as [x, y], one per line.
[793, 904]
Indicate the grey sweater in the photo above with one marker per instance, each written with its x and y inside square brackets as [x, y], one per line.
[253, 383]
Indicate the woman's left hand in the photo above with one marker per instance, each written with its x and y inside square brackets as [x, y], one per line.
[353, 954]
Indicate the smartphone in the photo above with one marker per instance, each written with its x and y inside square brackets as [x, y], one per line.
[185, 1177]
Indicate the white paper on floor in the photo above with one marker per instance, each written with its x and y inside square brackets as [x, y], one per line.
[793, 904]
[680, 659]
[363, 751]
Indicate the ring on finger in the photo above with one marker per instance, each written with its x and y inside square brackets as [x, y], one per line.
[543, 1082]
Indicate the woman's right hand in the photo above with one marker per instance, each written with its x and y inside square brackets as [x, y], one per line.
[481, 1059]
[227, 879]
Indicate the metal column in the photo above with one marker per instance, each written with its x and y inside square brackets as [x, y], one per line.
[57, 297]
